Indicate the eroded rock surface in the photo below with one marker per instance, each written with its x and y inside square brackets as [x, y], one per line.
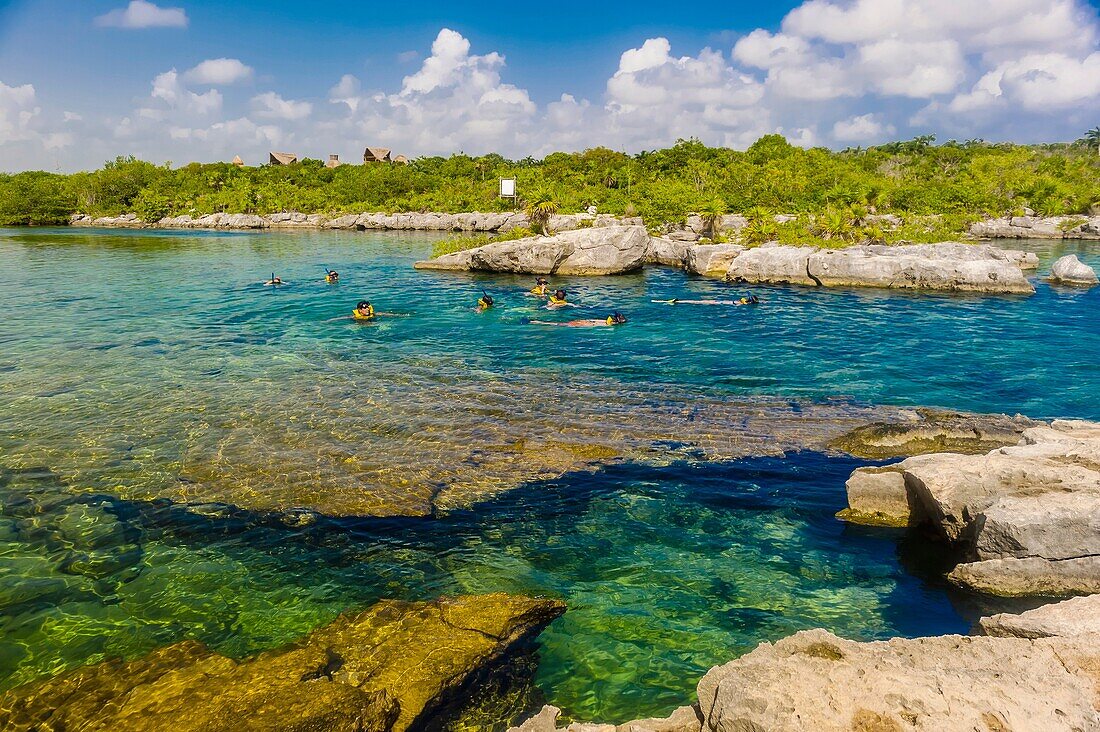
[814, 680]
[684, 719]
[390, 667]
[594, 251]
[1028, 513]
[947, 266]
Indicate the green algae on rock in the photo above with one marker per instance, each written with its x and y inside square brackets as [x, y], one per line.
[934, 430]
[389, 668]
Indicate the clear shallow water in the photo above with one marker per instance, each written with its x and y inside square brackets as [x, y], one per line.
[152, 365]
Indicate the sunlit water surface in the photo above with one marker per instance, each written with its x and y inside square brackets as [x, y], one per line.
[137, 367]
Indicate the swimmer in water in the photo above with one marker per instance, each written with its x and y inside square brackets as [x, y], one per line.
[332, 276]
[610, 320]
[541, 288]
[276, 281]
[750, 300]
[559, 300]
[484, 302]
[363, 311]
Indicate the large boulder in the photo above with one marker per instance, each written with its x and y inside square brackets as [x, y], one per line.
[1037, 227]
[1076, 616]
[712, 260]
[669, 252]
[1030, 576]
[1069, 270]
[395, 665]
[590, 251]
[814, 680]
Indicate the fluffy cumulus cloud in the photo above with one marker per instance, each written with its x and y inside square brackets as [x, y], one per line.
[835, 72]
[141, 14]
[218, 71]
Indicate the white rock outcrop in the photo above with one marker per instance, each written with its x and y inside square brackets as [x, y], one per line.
[593, 251]
[1037, 227]
[1072, 617]
[948, 266]
[1026, 517]
[1069, 270]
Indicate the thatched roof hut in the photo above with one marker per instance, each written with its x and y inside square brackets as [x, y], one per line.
[237, 161]
[401, 160]
[376, 155]
[279, 158]
[333, 161]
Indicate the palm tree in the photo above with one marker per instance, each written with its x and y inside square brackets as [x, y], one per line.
[540, 207]
[712, 212]
[1091, 139]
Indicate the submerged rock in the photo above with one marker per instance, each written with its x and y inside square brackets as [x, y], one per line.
[933, 430]
[1026, 517]
[814, 680]
[393, 666]
[593, 251]
[1069, 270]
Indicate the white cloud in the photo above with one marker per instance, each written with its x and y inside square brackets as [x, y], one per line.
[142, 14]
[273, 106]
[218, 71]
[407, 57]
[1017, 69]
[864, 128]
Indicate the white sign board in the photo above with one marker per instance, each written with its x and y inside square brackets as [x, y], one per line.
[507, 187]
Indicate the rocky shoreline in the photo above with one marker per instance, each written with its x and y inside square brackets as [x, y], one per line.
[947, 266]
[1039, 670]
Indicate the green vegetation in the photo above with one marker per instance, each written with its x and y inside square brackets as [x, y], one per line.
[830, 194]
[462, 243]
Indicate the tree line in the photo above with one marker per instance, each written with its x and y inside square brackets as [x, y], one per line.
[957, 181]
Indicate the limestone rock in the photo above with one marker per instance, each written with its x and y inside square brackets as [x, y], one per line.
[1076, 616]
[590, 251]
[1052, 525]
[933, 430]
[946, 266]
[684, 719]
[772, 265]
[877, 497]
[1033, 227]
[712, 259]
[386, 668]
[814, 680]
[668, 252]
[683, 235]
[545, 721]
[1011, 577]
[1069, 270]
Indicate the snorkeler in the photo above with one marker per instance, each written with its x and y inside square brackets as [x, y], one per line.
[558, 300]
[484, 302]
[276, 281]
[750, 300]
[332, 276]
[363, 311]
[613, 319]
[541, 288]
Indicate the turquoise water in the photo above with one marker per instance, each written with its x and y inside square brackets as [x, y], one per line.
[139, 370]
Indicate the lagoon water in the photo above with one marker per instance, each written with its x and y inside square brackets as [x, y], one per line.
[143, 370]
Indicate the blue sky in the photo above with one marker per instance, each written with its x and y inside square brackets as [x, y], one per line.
[181, 80]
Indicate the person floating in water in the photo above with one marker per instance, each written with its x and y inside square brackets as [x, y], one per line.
[750, 300]
[613, 319]
[275, 281]
[332, 276]
[541, 288]
[363, 311]
[558, 300]
[484, 302]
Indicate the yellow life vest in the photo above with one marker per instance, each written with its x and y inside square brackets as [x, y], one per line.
[538, 290]
[556, 301]
[610, 320]
[330, 279]
[481, 303]
[360, 316]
